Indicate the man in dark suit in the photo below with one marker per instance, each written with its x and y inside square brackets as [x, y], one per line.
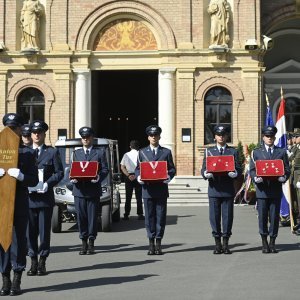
[87, 193]
[41, 198]
[269, 192]
[155, 194]
[221, 191]
[26, 175]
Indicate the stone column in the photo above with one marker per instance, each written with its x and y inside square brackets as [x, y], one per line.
[82, 100]
[166, 100]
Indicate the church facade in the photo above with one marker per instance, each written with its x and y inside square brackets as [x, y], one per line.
[119, 66]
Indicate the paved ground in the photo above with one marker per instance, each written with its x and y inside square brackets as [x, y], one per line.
[188, 270]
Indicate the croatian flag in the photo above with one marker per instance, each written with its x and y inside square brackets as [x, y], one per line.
[281, 141]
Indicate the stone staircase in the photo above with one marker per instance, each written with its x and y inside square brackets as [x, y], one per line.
[183, 190]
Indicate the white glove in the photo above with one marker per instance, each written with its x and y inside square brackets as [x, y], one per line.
[167, 180]
[74, 180]
[233, 174]
[208, 175]
[139, 180]
[281, 179]
[298, 184]
[44, 189]
[95, 180]
[2, 172]
[258, 180]
[16, 173]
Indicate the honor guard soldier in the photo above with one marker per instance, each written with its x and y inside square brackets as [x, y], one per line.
[155, 194]
[87, 193]
[26, 135]
[268, 191]
[221, 190]
[41, 198]
[26, 175]
[295, 162]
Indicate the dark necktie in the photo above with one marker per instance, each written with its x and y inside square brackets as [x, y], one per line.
[153, 151]
[37, 152]
[221, 151]
[270, 152]
[87, 152]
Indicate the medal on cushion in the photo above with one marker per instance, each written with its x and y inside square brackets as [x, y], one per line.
[153, 165]
[84, 166]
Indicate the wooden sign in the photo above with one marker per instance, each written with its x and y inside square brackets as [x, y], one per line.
[9, 153]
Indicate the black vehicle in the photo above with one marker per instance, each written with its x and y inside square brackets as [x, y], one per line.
[64, 210]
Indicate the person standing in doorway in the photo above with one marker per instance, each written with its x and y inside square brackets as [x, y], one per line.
[155, 194]
[41, 199]
[128, 166]
[221, 191]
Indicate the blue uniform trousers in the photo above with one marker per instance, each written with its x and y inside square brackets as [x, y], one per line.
[39, 225]
[155, 216]
[268, 211]
[87, 214]
[221, 207]
[15, 257]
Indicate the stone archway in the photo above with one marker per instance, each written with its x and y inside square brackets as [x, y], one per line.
[124, 9]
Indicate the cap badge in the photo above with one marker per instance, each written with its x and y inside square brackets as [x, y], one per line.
[11, 117]
[36, 123]
[269, 128]
[84, 129]
[221, 127]
[26, 128]
[153, 128]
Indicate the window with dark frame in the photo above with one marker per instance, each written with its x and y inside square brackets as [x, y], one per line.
[218, 111]
[31, 105]
[292, 113]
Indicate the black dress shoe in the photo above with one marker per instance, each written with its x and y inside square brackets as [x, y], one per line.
[83, 248]
[151, 250]
[91, 248]
[41, 270]
[218, 248]
[6, 284]
[226, 249]
[16, 284]
[33, 268]
[158, 250]
[265, 246]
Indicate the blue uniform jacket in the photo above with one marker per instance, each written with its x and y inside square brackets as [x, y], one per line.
[27, 165]
[49, 160]
[160, 189]
[88, 189]
[221, 186]
[269, 188]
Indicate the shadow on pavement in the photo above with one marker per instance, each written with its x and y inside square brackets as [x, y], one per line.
[89, 283]
[116, 265]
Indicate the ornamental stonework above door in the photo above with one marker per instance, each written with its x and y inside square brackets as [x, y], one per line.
[125, 34]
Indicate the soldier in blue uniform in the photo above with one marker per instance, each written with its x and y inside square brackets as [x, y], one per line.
[26, 175]
[268, 192]
[26, 135]
[221, 191]
[155, 194]
[41, 199]
[87, 193]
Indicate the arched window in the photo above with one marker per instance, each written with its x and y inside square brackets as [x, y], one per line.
[31, 105]
[218, 111]
[292, 113]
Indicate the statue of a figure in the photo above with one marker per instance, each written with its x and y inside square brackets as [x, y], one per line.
[219, 12]
[30, 21]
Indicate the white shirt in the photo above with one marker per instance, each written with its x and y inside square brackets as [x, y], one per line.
[267, 148]
[129, 160]
[85, 149]
[155, 149]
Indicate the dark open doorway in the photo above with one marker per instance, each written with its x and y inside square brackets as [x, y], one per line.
[124, 103]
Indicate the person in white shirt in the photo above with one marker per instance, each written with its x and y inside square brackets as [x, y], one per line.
[128, 165]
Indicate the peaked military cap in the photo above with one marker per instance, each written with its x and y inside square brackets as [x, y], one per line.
[12, 119]
[86, 131]
[38, 125]
[269, 130]
[220, 130]
[296, 132]
[153, 130]
[26, 130]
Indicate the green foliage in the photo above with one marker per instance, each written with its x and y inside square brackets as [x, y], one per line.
[252, 146]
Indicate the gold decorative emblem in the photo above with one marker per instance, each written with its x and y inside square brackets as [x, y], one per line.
[125, 34]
